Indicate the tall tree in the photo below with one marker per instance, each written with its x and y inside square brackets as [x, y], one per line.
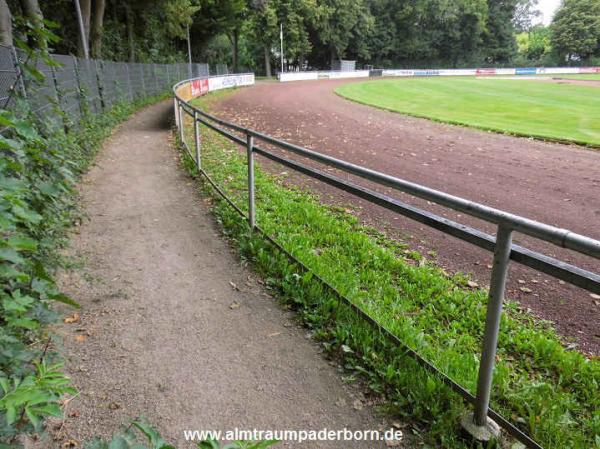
[576, 29]
[130, 31]
[339, 22]
[97, 28]
[6, 35]
[263, 26]
[500, 40]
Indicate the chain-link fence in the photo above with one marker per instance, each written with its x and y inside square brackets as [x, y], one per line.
[76, 87]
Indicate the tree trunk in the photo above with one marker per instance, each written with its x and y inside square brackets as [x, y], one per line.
[332, 56]
[130, 32]
[267, 61]
[96, 28]
[6, 36]
[236, 38]
[31, 9]
[86, 11]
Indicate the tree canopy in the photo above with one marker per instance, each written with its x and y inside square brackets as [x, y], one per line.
[576, 29]
[244, 34]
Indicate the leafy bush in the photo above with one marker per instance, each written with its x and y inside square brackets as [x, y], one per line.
[38, 172]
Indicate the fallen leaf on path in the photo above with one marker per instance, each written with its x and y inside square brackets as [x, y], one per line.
[274, 334]
[80, 338]
[234, 286]
[234, 305]
[594, 296]
[525, 290]
[472, 284]
[72, 318]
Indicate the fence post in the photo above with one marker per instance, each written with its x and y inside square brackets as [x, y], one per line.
[251, 204]
[155, 79]
[129, 86]
[79, 88]
[197, 139]
[19, 72]
[143, 72]
[58, 95]
[99, 81]
[488, 429]
[168, 75]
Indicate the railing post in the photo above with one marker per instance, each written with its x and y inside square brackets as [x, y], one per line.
[492, 328]
[251, 205]
[181, 122]
[176, 111]
[197, 140]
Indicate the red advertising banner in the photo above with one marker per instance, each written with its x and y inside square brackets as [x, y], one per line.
[199, 87]
[486, 71]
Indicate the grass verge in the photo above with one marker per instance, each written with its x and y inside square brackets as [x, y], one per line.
[544, 110]
[39, 168]
[586, 76]
[550, 392]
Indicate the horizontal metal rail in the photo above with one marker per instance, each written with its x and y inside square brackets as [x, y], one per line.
[560, 237]
[501, 244]
[540, 262]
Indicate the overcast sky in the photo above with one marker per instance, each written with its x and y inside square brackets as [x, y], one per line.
[548, 8]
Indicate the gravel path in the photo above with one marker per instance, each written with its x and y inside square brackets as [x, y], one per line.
[171, 326]
[556, 184]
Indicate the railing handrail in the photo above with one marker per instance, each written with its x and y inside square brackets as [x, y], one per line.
[552, 234]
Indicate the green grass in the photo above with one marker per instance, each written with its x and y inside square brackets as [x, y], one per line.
[586, 76]
[527, 108]
[551, 392]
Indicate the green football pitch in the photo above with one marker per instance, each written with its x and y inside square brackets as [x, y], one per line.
[532, 108]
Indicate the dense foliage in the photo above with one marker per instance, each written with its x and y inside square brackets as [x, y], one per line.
[576, 29]
[38, 171]
[244, 34]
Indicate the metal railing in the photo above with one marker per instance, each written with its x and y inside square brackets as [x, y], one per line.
[501, 244]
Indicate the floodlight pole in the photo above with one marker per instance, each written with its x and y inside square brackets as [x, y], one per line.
[281, 40]
[84, 43]
[189, 45]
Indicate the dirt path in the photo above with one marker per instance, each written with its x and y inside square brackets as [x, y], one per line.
[556, 184]
[163, 332]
